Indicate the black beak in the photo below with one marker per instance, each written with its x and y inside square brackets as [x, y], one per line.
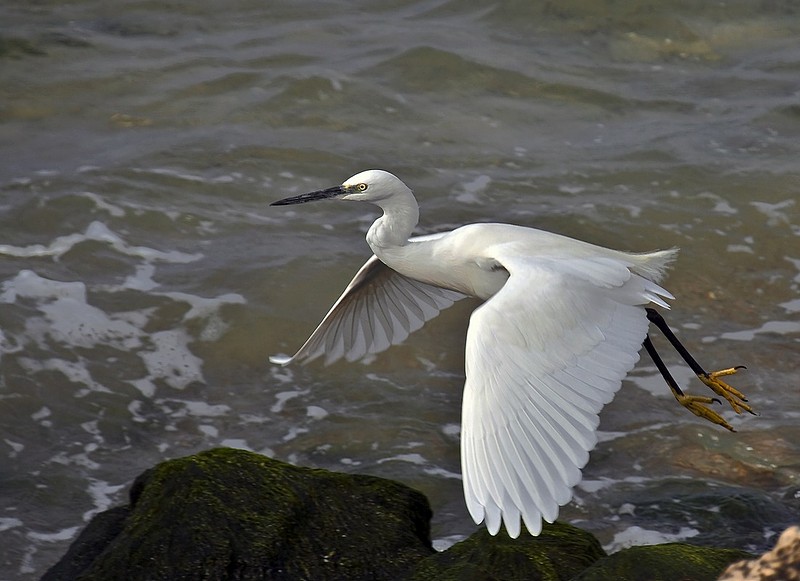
[311, 196]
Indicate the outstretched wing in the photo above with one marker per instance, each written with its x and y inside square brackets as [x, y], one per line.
[543, 356]
[379, 308]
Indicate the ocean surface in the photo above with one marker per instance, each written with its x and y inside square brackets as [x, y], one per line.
[144, 280]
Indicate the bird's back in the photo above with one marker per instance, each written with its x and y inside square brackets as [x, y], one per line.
[490, 240]
[469, 259]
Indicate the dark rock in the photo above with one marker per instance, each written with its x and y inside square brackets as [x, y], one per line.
[231, 514]
[234, 515]
[560, 552]
[668, 562]
[90, 543]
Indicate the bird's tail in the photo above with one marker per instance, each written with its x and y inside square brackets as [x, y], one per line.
[653, 265]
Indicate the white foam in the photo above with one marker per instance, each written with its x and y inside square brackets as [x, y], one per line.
[792, 306]
[134, 409]
[283, 397]
[571, 189]
[280, 374]
[207, 310]
[603, 436]
[143, 279]
[171, 360]
[6, 345]
[30, 285]
[98, 232]
[145, 386]
[722, 206]
[254, 419]
[444, 543]
[64, 318]
[164, 171]
[80, 459]
[775, 213]
[7, 523]
[627, 508]
[470, 191]
[236, 443]
[776, 327]
[16, 447]
[442, 473]
[202, 307]
[78, 323]
[208, 430]
[43, 413]
[596, 485]
[418, 459]
[74, 371]
[55, 537]
[637, 536]
[316, 413]
[796, 263]
[203, 410]
[93, 427]
[293, 432]
[101, 204]
[452, 430]
[103, 495]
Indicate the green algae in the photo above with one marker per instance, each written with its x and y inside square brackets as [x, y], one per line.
[235, 515]
[231, 514]
[559, 553]
[667, 562]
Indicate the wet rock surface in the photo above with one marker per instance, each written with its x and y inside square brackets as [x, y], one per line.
[232, 514]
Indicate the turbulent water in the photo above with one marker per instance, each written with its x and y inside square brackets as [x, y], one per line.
[144, 280]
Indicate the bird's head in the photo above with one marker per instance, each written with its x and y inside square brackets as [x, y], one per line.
[373, 185]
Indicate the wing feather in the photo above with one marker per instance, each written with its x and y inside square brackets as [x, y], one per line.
[543, 356]
[379, 308]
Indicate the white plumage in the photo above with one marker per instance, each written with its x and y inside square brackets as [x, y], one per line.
[561, 325]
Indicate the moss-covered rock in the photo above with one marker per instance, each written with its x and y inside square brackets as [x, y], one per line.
[560, 552]
[668, 562]
[231, 514]
[234, 515]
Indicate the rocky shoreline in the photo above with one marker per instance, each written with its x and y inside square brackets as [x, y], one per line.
[233, 514]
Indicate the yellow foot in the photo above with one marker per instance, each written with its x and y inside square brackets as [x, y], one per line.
[697, 405]
[732, 395]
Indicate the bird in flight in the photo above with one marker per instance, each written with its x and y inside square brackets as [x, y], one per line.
[561, 324]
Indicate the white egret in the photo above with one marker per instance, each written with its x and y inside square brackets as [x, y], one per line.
[562, 324]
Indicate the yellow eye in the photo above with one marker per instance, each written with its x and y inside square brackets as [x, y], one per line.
[362, 187]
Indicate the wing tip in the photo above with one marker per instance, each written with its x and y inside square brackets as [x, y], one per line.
[281, 360]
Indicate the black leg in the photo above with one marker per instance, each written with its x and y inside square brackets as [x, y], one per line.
[662, 368]
[655, 317]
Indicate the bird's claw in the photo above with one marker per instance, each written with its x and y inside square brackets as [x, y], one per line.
[733, 396]
[698, 405]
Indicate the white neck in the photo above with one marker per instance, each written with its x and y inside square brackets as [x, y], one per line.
[400, 216]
